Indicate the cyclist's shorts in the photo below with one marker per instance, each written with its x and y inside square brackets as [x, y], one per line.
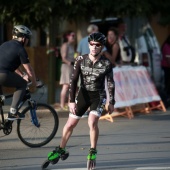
[95, 100]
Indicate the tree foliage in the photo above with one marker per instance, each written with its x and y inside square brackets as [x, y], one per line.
[31, 12]
[40, 13]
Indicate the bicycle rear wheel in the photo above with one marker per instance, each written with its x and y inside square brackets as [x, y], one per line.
[37, 136]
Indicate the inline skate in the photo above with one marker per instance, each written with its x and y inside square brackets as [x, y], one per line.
[54, 156]
[91, 159]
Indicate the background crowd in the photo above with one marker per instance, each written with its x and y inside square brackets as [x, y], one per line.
[118, 49]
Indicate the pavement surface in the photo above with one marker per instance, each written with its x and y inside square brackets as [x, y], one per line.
[141, 143]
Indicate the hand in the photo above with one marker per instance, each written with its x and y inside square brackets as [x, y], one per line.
[72, 108]
[25, 77]
[110, 108]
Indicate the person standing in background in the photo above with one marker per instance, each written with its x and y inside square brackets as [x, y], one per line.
[127, 51]
[113, 49]
[165, 63]
[67, 54]
[112, 45]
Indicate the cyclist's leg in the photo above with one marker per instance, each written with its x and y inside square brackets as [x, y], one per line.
[16, 81]
[3, 77]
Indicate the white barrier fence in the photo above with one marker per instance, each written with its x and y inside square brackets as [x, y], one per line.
[133, 86]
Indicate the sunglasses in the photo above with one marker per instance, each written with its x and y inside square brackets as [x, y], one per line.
[72, 35]
[96, 44]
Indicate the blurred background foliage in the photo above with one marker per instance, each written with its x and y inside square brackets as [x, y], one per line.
[46, 15]
[40, 13]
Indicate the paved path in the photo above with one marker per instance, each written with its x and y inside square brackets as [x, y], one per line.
[142, 143]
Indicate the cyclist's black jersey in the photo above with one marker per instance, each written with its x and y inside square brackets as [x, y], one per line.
[12, 55]
[92, 76]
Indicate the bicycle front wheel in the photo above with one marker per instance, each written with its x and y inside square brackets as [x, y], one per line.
[38, 135]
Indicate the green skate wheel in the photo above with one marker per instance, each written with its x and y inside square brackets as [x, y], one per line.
[65, 156]
[45, 164]
[54, 161]
[91, 164]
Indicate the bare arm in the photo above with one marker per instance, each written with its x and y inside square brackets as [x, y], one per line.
[30, 72]
[108, 56]
[22, 74]
[115, 50]
[19, 71]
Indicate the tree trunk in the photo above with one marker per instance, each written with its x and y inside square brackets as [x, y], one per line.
[52, 64]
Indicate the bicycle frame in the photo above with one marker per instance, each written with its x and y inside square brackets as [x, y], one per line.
[33, 107]
[33, 131]
[31, 103]
[34, 119]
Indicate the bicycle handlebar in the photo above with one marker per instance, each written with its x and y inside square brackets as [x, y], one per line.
[39, 83]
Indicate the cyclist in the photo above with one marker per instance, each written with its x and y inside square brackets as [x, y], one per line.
[92, 69]
[12, 56]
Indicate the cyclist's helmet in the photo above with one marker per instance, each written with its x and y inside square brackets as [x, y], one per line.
[21, 31]
[98, 37]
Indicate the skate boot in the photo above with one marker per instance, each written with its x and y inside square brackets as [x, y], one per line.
[54, 156]
[91, 159]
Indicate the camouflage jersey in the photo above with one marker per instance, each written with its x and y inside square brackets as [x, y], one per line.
[92, 76]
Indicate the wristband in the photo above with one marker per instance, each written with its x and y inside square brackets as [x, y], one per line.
[24, 74]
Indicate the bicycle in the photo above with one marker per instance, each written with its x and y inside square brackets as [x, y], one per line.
[39, 126]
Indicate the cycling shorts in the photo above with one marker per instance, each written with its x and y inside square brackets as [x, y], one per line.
[95, 100]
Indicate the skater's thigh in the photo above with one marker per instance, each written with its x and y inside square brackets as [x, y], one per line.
[97, 105]
[82, 103]
[72, 121]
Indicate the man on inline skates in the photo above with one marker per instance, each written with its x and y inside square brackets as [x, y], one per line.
[92, 68]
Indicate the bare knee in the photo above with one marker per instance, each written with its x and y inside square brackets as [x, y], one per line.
[92, 124]
[70, 125]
